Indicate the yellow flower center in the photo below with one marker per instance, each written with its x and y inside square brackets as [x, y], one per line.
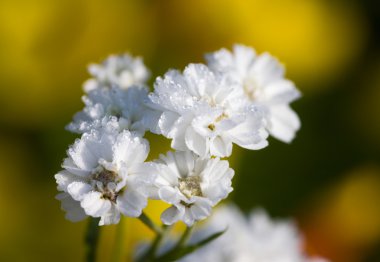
[190, 186]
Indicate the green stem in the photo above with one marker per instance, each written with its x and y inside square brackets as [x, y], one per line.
[157, 241]
[119, 243]
[149, 223]
[150, 254]
[185, 236]
[91, 239]
[178, 250]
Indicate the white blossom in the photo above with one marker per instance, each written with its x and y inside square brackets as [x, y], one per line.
[257, 239]
[191, 185]
[105, 175]
[127, 106]
[123, 71]
[205, 113]
[261, 77]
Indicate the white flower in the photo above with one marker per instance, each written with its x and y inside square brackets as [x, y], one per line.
[257, 239]
[105, 175]
[117, 70]
[127, 106]
[192, 185]
[262, 79]
[205, 113]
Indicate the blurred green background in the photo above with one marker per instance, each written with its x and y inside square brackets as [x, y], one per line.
[328, 178]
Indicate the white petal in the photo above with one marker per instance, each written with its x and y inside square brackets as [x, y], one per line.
[220, 60]
[169, 194]
[216, 180]
[284, 123]
[131, 203]
[64, 178]
[130, 149]
[219, 190]
[266, 69]
[220, 147]
[150, 121]
[169, 171]
[244, 57]
[74, 212]
[214, 170]
[166, 122]
[152, 192]
[196, 143]
[188, 217]
[178, 132]
[201, 209]
[196, 76]
[70, 166]
[172, 215]
[179, 142]
[281, 91]
[87, 151]
[81, 155]
[145, 172]
[78, 190]
[251, 133]
[201, 123]
[111, 217]
[184, 162]
[94, 205]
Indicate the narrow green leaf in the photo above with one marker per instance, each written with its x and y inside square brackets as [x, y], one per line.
[178, 253]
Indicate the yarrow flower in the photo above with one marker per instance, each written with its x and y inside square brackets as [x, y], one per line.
[261, 77]
[239, 98]
[105, 175]
[123, 71]
[205, 112]
[191, 185]
[257, 239]
[127, 106]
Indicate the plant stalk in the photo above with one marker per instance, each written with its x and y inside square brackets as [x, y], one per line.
[91, 239]
[149, 223]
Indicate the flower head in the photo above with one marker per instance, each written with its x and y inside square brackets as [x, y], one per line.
[257, 238]
[126, 106]
[122, 71]
[191, 184]
[105, 175]
[205, 113]
[261, 78]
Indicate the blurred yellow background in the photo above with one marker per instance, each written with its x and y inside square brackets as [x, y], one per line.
[328, 178]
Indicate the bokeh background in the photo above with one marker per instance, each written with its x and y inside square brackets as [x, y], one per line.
[328, 179]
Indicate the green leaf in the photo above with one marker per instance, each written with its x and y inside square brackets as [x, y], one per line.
[178, 253]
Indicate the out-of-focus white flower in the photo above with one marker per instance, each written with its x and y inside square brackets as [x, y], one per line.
[122, 71]
[105, 175]
[127, 106]
[192, 185]
[261, 77]
[257, 239]
[205, 113]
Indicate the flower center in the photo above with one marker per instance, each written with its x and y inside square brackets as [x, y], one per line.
[190, 186]
[218, 119]
[105, 182]
[251, 88]
[105, 176]
[115, 111]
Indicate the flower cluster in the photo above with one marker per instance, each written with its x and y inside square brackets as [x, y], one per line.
[237, 98]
